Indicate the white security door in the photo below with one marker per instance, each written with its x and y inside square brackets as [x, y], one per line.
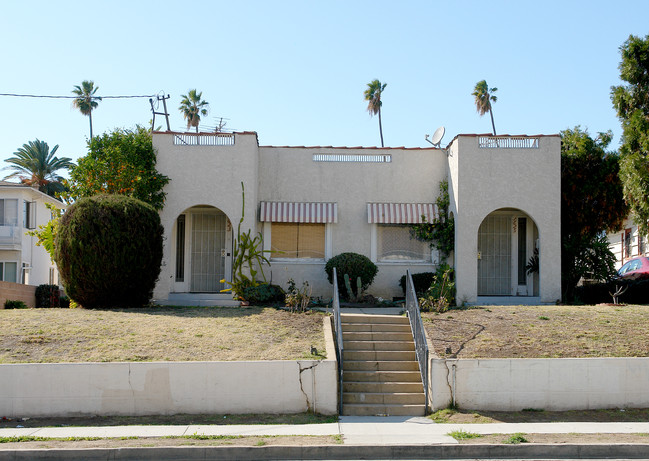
[208, 251]
[495, 256]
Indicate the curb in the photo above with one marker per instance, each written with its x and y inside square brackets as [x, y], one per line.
[342, 452]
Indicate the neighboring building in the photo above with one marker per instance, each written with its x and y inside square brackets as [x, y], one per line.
[22, 208]
[627, 243]
[311, 203]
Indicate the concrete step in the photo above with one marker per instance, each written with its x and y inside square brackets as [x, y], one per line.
[384, 398]
[383, 376]
[372, 355]
[374, 319]
[379, 387]
[383, 365]
[379, 345]
[396, 327]
[351, 409]
[377, 336]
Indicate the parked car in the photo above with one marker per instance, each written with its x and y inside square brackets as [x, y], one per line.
[635, 269]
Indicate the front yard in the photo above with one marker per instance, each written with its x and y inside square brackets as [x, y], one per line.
[540, 331]
[158, 334]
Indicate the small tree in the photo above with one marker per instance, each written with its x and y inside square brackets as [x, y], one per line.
[592, 203]
[352, 265]
[108, 250]
[120, 162]
[631, 101]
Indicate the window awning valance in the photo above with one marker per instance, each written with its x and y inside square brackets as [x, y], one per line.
[299, 212]
[400, 213]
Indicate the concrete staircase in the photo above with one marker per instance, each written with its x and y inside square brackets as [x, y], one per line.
[380, 370]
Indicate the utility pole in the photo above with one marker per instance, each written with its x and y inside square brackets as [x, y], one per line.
[165, 113]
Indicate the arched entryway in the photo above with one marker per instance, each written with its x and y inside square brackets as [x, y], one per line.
[202, 239]
[508, 243]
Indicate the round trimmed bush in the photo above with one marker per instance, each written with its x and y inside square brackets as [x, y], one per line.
[354, 265]
[108, 250]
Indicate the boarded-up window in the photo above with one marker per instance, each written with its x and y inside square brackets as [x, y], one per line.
[297, 240]
[394, 243]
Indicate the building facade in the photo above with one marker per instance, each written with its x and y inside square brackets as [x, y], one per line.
[23, 208]
[311, 203]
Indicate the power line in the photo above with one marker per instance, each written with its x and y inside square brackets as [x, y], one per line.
[74, 97]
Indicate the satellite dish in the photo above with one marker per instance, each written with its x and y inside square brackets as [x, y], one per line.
[437, 136]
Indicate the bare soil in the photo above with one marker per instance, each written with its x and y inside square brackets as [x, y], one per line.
[168, 420]
[539, 331]
[158, 334]
[624, 415]
[259, 441]
[581, 439]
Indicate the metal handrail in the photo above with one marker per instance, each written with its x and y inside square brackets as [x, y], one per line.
[339, 340]
[418, 332]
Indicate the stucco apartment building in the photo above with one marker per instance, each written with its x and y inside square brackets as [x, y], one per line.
[627, 243]
[311, 203]
[22, 208]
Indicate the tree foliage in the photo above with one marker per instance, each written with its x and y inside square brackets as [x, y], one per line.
[36, 166]
[86, 101]
[592, 203]
[631, 101]
[440, 232]
[484, 96]
[108, 250]
[373, 95]
[192, 106]
[120, 162]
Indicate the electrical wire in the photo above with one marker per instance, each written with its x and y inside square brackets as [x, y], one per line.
[74, 97]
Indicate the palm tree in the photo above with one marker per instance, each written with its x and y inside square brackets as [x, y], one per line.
[192, 107]
[36, 166]
[373, 96]
[484, 96]
[86, 100]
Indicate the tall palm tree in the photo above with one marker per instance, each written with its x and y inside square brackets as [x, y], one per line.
[86, 100]
[192, 107]
[35, 165]
[484, 96]
[373, 96]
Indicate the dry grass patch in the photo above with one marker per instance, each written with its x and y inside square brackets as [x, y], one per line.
[540, 331]
[459, 416]
[158, 334]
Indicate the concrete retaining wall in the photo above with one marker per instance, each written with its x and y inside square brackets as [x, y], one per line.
[549, 384]
[71, 389]
[17, 292]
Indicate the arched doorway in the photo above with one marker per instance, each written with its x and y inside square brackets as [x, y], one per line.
[203, 250]
[508, 242]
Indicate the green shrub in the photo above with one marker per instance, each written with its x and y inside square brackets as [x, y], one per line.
[108, 251]
[264, 293]
[441, 293]
[14, 304]
[421, 281]
[48, 296]
[354, 265]
[64, 302]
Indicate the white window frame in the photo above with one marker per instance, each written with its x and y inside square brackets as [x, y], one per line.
[267, 236]
[374, 238]
[4, 268]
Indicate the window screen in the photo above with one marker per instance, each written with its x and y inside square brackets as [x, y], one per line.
[298, 240]
[394, 243]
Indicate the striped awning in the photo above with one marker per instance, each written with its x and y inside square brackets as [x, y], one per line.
[400, 213]
[300, 212]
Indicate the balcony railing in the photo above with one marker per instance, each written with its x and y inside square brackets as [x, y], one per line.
[204, 139]
[10, 235]
[507, 142]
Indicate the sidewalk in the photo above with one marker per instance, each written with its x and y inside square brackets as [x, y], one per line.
[356, 430]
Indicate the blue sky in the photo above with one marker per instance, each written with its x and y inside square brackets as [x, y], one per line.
[295, 71]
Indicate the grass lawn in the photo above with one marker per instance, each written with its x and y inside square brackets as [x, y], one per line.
[539, 331]
[158, 334]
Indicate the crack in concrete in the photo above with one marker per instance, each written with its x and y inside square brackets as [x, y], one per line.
[306, 397]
